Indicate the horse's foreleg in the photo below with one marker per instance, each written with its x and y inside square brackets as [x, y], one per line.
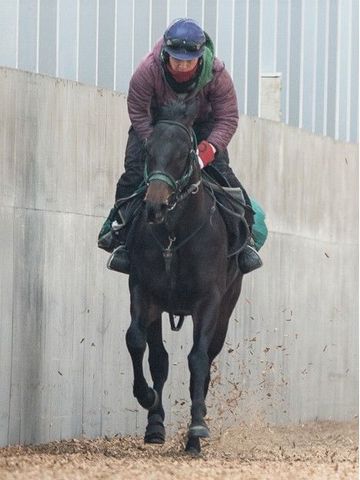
[136, 337]
[227, 306]
[193, 442]
[205, 319]
[159, 368]
[136, 343]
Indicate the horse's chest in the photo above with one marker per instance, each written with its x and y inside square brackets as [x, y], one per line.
[177, 284]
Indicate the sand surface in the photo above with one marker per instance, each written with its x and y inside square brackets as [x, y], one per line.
[323, 450]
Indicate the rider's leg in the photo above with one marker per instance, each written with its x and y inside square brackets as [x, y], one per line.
[134, 166]
[112, 236]
[249, 259]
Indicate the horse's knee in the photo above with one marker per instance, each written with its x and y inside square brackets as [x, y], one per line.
[135, 339]
[198, 361]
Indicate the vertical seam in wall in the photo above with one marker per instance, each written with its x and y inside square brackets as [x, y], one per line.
[301, 80]
[202, 13]
[12, 331]
[275, 34]
[337, 87]
[132, 36]
[115, 43]
[217, 27]
[232, 48]
[246, 57]
[288, 62]
[314, 79]
[102, 377]
[97, 44]
[150, 24]
[17, 34]
[326, 76]
[260, 57]
[37, 36]
[77, 39]
[348, 87]
[57, 50]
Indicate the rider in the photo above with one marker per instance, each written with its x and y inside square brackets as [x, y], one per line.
[182, 65]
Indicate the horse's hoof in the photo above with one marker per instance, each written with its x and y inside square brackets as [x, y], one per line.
[193, 446]
[199, 430]
[193, 452]
[155, 430]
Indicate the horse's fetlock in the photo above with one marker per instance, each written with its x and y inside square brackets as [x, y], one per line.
[198, 410]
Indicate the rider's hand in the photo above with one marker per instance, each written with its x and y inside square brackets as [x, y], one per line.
[206, 153]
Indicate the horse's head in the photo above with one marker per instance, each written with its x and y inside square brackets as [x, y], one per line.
[170, 159]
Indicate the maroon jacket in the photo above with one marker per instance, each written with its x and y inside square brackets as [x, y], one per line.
[149, 90]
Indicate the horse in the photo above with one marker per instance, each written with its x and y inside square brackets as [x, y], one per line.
[179, 257]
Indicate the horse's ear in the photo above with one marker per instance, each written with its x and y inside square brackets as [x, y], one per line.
[191, 111]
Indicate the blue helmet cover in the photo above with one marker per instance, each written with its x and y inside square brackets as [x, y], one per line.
[184, 39]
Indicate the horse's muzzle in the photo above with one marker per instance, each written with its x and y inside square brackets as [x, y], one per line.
[157, 202]
[156, 212]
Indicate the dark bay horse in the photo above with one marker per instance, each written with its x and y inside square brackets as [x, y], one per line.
[179, 264]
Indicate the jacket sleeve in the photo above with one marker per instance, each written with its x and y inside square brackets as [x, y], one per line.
[140, 93]
[224, 110]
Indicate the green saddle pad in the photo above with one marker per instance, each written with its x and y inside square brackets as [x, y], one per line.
[259, 229]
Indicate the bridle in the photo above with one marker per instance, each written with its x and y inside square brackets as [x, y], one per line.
[181, 188]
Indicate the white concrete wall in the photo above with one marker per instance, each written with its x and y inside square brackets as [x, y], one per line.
[291, 351]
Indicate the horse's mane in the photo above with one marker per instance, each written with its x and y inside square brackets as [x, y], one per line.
[178, 110]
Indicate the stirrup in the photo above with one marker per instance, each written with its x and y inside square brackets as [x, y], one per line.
[119, 260]
[106, 242]
[249, 260]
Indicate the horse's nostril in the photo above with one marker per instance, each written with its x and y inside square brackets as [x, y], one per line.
[155, 213]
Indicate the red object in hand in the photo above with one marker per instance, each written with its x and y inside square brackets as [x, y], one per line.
[206, 152]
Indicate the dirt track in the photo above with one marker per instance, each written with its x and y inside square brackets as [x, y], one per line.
[313, 451]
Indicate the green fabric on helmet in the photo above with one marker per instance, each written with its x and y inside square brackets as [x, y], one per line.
[259, 229]
[206, 74]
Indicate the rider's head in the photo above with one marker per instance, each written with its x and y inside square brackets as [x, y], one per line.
[184, 40]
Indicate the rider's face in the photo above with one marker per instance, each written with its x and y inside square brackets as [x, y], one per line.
[182, 65]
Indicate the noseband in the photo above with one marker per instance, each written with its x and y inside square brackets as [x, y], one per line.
[177, 186]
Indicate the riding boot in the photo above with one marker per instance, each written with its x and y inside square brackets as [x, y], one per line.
[249, 260]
